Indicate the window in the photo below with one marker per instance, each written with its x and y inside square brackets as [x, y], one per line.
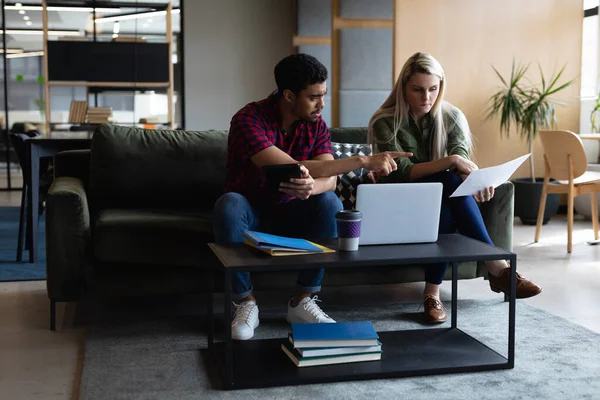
[25, 67]
[589, 53]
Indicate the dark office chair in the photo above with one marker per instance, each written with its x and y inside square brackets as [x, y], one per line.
[18, 140]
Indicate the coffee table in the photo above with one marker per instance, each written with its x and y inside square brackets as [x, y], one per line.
[262, 363]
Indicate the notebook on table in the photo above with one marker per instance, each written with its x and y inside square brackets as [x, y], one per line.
[282, 246]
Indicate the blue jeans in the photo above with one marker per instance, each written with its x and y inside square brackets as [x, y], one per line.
[311, 218]
[457, 214]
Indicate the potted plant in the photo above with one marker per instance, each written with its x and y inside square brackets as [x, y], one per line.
[528, 108]
[39, 102]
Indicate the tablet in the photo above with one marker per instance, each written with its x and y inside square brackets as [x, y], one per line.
[276, 174]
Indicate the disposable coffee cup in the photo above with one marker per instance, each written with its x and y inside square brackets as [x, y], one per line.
[348, 226]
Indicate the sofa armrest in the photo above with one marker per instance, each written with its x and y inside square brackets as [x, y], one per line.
[67, 239]
[73, 163]
[498, 216]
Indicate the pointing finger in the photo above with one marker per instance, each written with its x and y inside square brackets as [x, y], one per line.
[396, 154]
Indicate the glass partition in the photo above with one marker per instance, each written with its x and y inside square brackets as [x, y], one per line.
[115, 21]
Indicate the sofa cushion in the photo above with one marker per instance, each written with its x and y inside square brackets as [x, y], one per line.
[347, 183]
[152, 236]
[144, 168]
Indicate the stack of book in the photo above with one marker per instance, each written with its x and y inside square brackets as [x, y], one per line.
[78, 111]
[98, 115]
[325, 344]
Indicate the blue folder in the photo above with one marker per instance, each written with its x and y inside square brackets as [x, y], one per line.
[273, 242]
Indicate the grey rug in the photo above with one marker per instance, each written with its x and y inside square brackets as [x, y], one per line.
[161, 358]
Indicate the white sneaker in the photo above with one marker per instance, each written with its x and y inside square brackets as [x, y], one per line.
[245, 320]
[307, 311]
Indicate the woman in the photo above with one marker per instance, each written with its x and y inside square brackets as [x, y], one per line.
[415, 118]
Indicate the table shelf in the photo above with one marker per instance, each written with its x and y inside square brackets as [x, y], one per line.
[262, 363]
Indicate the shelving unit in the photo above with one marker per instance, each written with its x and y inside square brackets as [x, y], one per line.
[169, 85]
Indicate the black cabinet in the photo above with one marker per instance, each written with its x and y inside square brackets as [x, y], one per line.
[108, 61]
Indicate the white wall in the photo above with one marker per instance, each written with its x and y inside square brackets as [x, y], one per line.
[231, 48]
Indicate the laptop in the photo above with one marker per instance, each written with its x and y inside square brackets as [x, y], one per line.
[394, 213]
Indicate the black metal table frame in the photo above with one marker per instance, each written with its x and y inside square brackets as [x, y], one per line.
[226, 368]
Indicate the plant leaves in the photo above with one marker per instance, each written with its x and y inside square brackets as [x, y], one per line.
[507, 103]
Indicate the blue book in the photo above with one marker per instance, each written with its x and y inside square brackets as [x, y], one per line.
[304, 361]
[333, 351]
[341, 334]
[280, 245]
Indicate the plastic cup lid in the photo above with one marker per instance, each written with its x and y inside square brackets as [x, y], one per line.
[349, 215]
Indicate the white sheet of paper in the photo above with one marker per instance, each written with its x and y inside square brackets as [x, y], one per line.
[486, 177]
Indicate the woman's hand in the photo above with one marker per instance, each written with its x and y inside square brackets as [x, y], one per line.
[483, 195]
[462, 165]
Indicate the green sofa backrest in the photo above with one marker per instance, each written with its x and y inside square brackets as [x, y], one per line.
[348, 135]
[133, 167]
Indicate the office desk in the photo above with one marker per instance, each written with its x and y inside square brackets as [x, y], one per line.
[589, 136]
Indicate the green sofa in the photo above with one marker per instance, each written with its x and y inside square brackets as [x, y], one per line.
[133, 216]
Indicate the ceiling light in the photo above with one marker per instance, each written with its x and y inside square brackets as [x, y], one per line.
[149, 20]
[40, 32]
[21, 12]
[18, 6]
[116, 27]
[124, 17]
[26, 18]
[28, 23]
[115, 35]
[27, 54]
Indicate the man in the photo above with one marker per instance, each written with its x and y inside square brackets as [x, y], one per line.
[285, 128]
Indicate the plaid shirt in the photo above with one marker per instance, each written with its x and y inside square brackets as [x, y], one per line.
[256, 127]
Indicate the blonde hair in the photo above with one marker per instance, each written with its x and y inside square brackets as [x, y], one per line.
[395, 105]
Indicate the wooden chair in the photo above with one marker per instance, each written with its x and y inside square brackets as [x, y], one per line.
[565, 160]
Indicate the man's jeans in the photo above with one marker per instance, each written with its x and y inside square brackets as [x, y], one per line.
[312, 218]
[458, 214]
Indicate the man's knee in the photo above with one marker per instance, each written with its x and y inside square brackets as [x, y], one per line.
[230, 205]
[328, 204]
[322, 222]
[232, 217]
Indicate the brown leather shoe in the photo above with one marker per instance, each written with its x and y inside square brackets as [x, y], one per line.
[525, 288]
[434, 310]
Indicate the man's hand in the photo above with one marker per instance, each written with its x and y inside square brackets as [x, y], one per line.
[384, 163]
[483, 195]
[462, 165]
[370, 178]
[301, 188]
